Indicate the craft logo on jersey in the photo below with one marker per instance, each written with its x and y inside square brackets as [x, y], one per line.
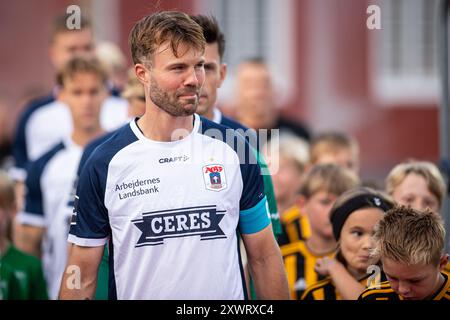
[182, 222]
[214, 177]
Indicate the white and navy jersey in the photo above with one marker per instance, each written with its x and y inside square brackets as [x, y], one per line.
[48, 121]
[48, 185]
[171, 212]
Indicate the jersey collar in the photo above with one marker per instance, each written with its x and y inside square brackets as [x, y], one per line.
[139, 134]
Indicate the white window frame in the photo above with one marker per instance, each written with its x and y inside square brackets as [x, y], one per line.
[413, 86]
[239, 22]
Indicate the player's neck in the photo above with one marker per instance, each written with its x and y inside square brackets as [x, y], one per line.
[209, 114]
[158, 125]
[320, 246]
[82, 137]
[437, 287]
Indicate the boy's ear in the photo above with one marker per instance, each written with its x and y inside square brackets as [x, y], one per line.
[443, 262]
[301, 201]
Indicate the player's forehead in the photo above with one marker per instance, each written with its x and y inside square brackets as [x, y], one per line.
[212, 52]
[403, 271]
[183, 53]
[73, 37]
[83, 80]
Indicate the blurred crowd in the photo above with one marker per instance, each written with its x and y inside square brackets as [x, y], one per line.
[324, 234]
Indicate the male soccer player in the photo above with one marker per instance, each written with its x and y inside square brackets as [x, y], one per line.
[46, 217]
[169, 196]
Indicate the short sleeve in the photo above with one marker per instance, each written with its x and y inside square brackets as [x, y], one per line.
[89, 226]
[33, 213]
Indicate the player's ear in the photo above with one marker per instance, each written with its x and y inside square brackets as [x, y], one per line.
[141, 73]
[301, 201]
[61, 94]
[443, 261]
[223, 72]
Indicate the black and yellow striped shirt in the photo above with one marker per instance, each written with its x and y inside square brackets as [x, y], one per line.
[299, 263]
[294, 225]
[325, 289]
[447, 269]
[385, 292]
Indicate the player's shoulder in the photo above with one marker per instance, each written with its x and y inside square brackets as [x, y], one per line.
[91, 146]
[309, 293]
[231, 123]
[207, 127]
[318, 285]
[106, 147]
[40, 163]
[34, 105]
[223, 134]
[383, 291]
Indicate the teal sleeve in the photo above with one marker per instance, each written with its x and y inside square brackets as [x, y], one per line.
[254, 219]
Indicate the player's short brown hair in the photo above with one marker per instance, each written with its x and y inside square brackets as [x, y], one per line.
[410, 236]
[81, 65]
[331, 142]
[330, 178]
[211, 31]
[152, 31]
[59, 25]
[427, 170]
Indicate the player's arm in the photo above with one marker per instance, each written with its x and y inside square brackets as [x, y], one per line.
[348, 287]
[29, 239]
[264, 257]
[266, 265]
[80, 278]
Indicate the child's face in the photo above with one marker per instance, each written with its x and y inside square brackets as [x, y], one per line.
[286, 180]
[413, 282]
[318, 208]
[356, 238]
[414, 192]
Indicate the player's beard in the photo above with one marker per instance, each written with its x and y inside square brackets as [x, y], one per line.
[171, 103]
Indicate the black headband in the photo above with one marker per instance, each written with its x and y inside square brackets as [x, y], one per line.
[340, 215]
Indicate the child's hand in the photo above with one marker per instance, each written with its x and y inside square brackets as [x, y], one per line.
[324, 265]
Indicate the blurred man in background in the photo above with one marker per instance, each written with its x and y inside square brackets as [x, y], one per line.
[46, 217]
[256, 100]
[34, 135]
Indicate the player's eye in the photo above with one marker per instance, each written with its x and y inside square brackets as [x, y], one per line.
[177, 68]
[357, 233]
[200, 65]
[325, 202]
[94, 92]
[409, 200]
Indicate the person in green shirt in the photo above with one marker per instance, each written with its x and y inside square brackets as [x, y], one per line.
[28, 271]
[9, 284]
[21, 275]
